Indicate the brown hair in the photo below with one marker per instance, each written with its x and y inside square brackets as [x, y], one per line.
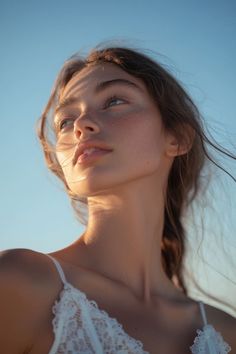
[179, 115]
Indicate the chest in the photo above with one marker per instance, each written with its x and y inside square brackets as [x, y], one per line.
[157, 335]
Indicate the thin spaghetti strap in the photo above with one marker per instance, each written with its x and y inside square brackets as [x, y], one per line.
[203, 312]
[59, 269]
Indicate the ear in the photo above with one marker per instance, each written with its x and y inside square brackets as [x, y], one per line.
[180, 145]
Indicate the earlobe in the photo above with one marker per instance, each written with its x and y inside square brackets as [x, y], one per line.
[178, 147]
[174, 149]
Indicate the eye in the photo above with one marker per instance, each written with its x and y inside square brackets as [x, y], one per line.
[114, 101]
[65, 123]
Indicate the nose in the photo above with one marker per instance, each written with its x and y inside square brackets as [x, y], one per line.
[85, 124]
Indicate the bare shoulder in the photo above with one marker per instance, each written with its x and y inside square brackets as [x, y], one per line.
[224, 323]
[26, 268]
[26, 287]
[19, 260]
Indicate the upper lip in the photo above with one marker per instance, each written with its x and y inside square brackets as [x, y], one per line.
[89, 144]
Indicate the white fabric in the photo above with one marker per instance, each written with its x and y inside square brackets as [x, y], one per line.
[209, 341]
[80, 327]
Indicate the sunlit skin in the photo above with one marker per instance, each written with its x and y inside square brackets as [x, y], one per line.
[125, 188]
[116, 262]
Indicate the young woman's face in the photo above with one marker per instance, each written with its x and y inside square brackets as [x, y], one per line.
[104, 103]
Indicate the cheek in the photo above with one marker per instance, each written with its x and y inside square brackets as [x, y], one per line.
[65, 148]
[141, 132]
[65, 157]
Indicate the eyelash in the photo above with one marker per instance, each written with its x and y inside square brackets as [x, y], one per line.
[110, 99]
[106, 105]
[60, 124]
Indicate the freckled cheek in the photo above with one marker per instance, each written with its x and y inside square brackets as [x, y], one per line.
[124, 119]
[139, 131]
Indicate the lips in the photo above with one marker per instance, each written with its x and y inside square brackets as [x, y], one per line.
[87, 158]
[89, 144]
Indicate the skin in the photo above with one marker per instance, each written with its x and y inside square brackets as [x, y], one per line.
[120, 186]
[117, 260]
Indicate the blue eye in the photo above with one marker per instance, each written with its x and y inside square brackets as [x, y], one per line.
[114, 101]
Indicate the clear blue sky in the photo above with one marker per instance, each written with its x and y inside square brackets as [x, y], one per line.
[197, 42]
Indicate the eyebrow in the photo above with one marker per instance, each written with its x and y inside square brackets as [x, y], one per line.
[105, 84]
[99, 88]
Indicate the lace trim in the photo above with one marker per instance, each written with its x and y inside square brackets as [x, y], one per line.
[66, 308]
[208, 341]
[67, 319]
[72, 330]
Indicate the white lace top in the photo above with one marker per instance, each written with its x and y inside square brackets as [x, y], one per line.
[80, 327]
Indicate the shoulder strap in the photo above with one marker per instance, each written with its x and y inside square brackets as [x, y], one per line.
[203, 312]
[59, 269]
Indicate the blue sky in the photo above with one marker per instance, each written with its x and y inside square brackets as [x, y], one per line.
[195, 39]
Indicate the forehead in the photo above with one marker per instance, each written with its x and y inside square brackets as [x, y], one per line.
[89, 77]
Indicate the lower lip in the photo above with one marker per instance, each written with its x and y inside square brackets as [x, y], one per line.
[93, 156]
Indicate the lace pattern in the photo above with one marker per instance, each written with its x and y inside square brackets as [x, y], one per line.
[80, 327]
[208, 341]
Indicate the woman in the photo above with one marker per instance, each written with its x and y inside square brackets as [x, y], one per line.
[129, 144]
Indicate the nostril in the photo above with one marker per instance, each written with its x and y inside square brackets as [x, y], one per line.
[77, 132]
[85, 123]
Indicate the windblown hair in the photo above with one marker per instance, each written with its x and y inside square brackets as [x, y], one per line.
[179, 115]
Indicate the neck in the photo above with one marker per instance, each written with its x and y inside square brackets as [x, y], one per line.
[123, 243]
